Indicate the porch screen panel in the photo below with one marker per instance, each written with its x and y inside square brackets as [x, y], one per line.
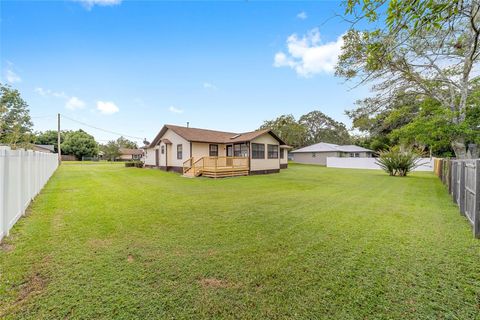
[240, 150]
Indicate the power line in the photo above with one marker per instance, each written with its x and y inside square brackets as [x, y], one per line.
[104, 130]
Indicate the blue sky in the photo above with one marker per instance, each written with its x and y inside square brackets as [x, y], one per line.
[131, 66]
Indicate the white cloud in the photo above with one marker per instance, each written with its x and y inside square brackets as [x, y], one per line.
[91, 3]
[175, 110]
[107, 107]
[49, 93]
[208, 85]
[302, 15]
[10, 75]
[308, 55]
[74, 103]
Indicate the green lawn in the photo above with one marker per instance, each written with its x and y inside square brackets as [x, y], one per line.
[107, 242]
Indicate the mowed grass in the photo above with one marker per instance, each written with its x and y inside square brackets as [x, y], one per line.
[107, 242]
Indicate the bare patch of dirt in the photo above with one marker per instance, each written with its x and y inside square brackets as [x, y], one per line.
[216, 283]
[33, 285]
[130, 258]
[6, 247]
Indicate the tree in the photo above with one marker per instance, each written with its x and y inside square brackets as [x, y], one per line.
[125, 143]
[288, 129]
[50, 137]
[427, 49]
[111, 150]
[15, 121]
[322, 128]
[80, 144]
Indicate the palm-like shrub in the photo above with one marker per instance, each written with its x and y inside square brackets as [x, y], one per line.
[396, 162]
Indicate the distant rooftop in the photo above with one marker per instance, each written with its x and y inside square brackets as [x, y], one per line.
[49, 147]
[330, 147]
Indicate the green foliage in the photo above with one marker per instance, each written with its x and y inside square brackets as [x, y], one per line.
[322, 128]
[111, 150]
[49, 137]
[136, 164]
[288, 129]
[80, 144]
[15, 121]
[125, 143]
[424, 50]
[311, 128]
[396, 162]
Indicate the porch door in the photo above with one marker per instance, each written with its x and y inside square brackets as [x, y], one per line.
[229, 153]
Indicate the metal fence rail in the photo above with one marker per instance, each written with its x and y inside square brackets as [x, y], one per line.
[463, 180]
[22, 175]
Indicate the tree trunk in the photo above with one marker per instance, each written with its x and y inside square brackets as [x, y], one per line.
[458, 146]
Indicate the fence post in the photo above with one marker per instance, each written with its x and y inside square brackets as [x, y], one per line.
[476, 204]
[462, 188]
[4, 189]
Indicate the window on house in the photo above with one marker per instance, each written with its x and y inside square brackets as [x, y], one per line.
[213, 150]
[354, 155]
[163, 149]
[258, 151]
[179, 151]
[240, 150]
[272, 151]
[314, 154]
[282, 153]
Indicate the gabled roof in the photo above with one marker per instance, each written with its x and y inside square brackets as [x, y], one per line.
[330, 147]
[126, 151]
[211, 136]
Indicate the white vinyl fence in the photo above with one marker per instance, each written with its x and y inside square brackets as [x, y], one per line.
[370, 163]
[23, 173]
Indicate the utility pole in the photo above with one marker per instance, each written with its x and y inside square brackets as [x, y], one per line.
[59, 150]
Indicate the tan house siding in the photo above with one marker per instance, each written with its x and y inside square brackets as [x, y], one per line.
[201, 149]
[265, 164]
[169, 157]
[309, 158]
[150, 156]
[171, 154]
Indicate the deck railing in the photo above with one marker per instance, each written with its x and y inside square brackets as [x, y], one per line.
[214, 163]
[225, 162]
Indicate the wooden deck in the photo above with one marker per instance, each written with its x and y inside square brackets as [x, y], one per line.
[216, 167]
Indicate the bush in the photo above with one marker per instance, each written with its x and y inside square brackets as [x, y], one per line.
[137, 164]
[396, 162]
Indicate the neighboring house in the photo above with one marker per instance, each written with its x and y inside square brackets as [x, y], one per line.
[194, 152]
[48, 148]
[130, 154]
[318, 153]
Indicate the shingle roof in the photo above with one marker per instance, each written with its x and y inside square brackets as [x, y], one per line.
[125, 151]
[49, 147]
[330, 147]
[212, 136]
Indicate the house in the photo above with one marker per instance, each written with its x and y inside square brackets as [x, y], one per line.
[48, 148]
[318, 153]
[130, 154]
[194, 152]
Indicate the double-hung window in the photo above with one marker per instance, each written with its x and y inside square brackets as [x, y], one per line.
[179, 151]
[272, 151]
[213, 150]
[258, 151]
